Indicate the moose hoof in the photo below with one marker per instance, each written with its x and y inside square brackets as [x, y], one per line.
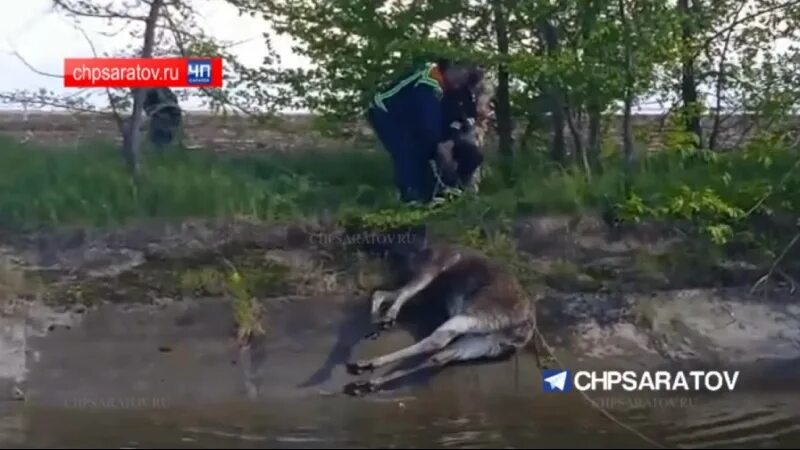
[384, 308]
[360, 388]
[386, 324]
[359, 367]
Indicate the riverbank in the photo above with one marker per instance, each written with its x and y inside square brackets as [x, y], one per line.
[266, 286]
[742, 196]
[149, 311]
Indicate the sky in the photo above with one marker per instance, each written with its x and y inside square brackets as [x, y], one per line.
[45, 37]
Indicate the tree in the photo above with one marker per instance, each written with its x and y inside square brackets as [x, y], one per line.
[627, 133]
[504, 122]
[727, 53]
[159, 28]
[556, 63]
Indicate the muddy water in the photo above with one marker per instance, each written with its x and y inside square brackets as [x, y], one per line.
[419, 418]
[146, 377]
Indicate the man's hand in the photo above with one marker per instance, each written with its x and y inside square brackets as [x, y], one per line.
[444, 153]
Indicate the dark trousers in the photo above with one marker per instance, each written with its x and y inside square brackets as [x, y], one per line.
[410, 157]
[164, 126]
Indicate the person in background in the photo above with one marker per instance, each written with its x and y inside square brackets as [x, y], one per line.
[460, 106]
[407, 118]
[460, 112]
[161, 106]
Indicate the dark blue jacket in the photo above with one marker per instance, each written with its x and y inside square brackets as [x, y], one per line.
[415, 102]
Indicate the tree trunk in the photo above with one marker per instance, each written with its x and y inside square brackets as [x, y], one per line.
[555, 98]
[591, 152]
[131, 136]
[577, 135]
[536, 122]
[627, 132]
[715, 129]
[503, 107]
[688, 80]
[594, 136]
[530, 128]
[581, 159]
[559, 146]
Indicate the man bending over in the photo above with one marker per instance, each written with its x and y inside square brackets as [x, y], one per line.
[407, 118]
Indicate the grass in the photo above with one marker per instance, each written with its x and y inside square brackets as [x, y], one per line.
[247, 312]
[13, 281]
[203, 281]
[90, 186]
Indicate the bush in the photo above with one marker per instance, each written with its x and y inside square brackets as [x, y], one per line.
[716, 193]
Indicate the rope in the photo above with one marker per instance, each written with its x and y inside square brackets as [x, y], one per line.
[441, 187]
[596, 405]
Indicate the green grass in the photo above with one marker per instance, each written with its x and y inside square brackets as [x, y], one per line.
[90, 186]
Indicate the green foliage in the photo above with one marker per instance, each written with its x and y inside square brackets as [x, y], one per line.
[90, 185]
[715, 195]
[388, 219]
[497, 242]
[356, 47]
[208, 281]
[247, 312]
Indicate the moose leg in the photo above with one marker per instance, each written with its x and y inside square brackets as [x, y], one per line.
[443, 335]
[379, 298]
[404, 294]
[426, 276]
[384, 317]
[467, 348]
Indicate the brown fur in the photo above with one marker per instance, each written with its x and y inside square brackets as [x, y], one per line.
[490, 314]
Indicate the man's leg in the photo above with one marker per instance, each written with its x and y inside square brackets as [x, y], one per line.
[413, 174]
[394, 141]
[412, 171]
[423, 178]
[419, 180]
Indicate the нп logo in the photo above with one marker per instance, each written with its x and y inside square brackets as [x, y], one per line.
[199, 71]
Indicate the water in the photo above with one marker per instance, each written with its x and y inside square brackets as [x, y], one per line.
[108, 384]
[762, 419]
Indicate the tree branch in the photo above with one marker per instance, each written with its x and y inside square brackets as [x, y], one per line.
[179, 41]
[131, 132]
[42, 101]
[111, 102]
[743, 20]
[781, 183]
[774, 267]
[108, 13]
[712, 140]
[34, 69]
[663, 120]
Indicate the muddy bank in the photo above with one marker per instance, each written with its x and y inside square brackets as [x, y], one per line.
[144, 314]
[184, 352]
[557, 253]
